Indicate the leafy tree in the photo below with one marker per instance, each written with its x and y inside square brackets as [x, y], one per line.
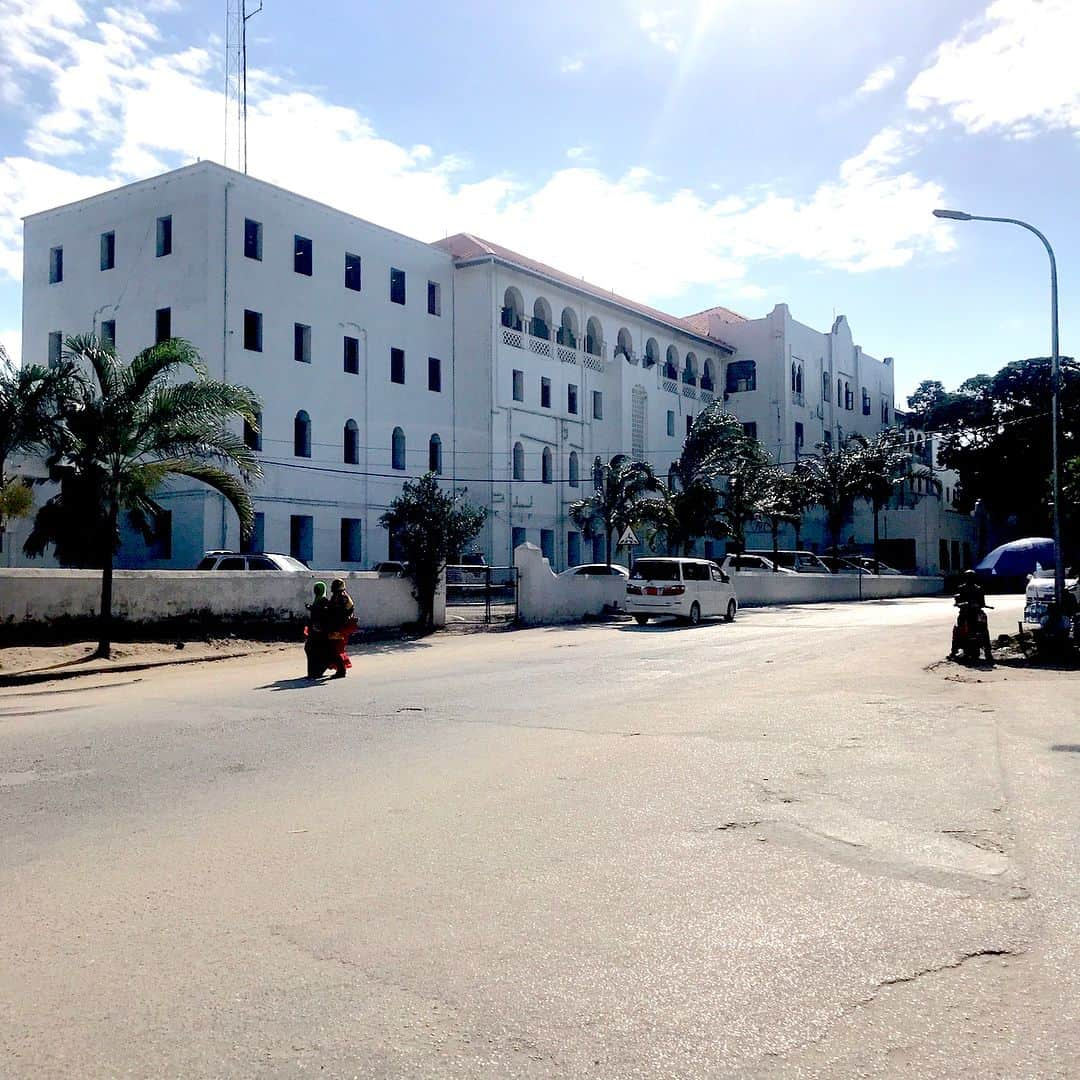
[693, 504]
[783, 501]
[834, 480]
[623, 495]
[28, 409]
[430, 524]
[747, 490]
[124, 428]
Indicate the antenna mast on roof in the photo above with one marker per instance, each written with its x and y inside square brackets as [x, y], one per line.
[236, 18]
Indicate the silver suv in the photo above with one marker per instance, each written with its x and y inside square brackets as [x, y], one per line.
[256, 560]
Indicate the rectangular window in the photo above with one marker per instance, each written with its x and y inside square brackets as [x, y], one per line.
[750, 429]
[547, 545]
[545, 393]
[301, 537]
[252, 239]
[253, 331]
[434, 374]
[162, 325]
[689, 424]
[799, 438]
[56, 347]
[301, 343]
[56, 265]
[671, 422]
[352, 356]
[160, 546]
[352, 271]
[254, 540]
[108, 250]
[434, 298]
[741, 376]
[350, 540]
[597, 405]
[164, 235]
[397, 286]
[108, 333]
[519, 385]
[571, 399]
[253, 433]
[397, 365]
[302, 255]
[573, 548]
[517, 537]
[828, 440]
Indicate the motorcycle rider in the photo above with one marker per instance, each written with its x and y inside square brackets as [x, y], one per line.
[971, 600]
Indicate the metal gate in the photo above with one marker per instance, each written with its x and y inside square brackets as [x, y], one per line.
[481, 594]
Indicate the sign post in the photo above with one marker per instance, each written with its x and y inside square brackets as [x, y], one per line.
[629, 540]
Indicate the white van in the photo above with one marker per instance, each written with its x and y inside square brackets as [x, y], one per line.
[689, 589]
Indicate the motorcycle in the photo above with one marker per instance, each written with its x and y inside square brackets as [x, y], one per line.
[971, 634]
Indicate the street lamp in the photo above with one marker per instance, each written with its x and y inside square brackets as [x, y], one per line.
[1055, 381]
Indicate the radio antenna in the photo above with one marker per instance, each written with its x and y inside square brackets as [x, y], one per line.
[236, 20]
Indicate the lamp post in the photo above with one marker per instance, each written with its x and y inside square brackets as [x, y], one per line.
[1055, 381]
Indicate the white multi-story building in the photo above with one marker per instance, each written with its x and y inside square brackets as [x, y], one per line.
[378, 357]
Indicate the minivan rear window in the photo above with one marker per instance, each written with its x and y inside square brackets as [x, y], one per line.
[655, 570]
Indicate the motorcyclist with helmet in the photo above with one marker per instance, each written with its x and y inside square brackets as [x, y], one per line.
[971, 600]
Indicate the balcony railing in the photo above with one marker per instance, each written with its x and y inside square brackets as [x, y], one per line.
[798, 397]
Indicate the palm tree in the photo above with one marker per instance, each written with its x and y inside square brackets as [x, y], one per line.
[748, 485]
[126, 427]
[782, 503]
[624, 494]
[834, 479]
[28, 408]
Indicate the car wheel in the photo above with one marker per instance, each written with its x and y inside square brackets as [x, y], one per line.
[695, 614]
[641, 620]
[729, 615]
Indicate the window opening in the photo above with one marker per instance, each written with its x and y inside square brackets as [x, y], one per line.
[164, 236]
[253, 236]
[108, 250]
[397, 449]
[397, 286]
[302, 255]
[56, 265]
[301, 343]
[397, 366]
[351, 355]
[253, 331]
[352, 271]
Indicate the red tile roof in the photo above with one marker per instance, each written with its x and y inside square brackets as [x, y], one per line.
[465, 247]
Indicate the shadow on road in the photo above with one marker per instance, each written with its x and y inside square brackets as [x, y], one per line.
[301, 683]
[1066, 747]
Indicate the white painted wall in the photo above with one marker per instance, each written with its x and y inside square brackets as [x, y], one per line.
[757, 590]
[545, 598]
[142, 596]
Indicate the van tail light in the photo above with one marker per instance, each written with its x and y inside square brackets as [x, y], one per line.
[633, 590]
[673, 590]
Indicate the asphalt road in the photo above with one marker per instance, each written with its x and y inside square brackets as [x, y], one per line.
[788, 847]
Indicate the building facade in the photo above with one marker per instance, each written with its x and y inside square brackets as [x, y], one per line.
[378, 357]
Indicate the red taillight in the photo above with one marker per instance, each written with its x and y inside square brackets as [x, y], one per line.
[673, 590]
[633, 590]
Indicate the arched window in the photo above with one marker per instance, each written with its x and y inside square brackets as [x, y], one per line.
[652, 353]
[826, 386]
[513, 310]
[625, 346]
[689, 375]
[568, 327]
[302, 434]
[519, 462]
[671, 365]
[594, 336]
[545, 466]
[434, 455]
[541, 320]
[706, 377]
[573, 470]
[351, 440]
[397, 449]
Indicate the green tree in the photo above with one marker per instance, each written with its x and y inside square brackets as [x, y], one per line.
[624, 494]
[693, 504]
[29, 399]
[747, 489]
[124, 428]
[430, 524]
[782, 502]
[834, 481]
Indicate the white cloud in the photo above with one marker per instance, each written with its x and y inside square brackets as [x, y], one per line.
[570, 67]
[119, 97]
[11, 340]
[877, 80]
[1014, 70]
[659, 26]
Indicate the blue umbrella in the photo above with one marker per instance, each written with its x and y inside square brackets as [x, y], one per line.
[1018, 557]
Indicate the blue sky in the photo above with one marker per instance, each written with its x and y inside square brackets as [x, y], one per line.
[683, 152]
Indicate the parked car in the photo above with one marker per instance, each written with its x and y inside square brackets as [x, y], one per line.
[471, 570]
[802, 562]
[750, 564]
[689, 589]
[256, 560]
[867, 563]
[391, 568]
[1039, 595]
[598, 569]
[839, 565]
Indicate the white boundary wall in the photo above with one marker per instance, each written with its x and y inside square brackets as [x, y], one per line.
[544, 598]
[148, 596]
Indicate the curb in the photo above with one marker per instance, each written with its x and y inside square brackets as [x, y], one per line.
[31, 678]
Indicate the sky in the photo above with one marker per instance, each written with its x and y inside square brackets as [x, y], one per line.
[684, 153]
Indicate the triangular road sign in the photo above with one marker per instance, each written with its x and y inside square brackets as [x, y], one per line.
[628, 539]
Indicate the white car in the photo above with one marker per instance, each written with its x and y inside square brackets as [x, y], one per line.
[1039, 595]
[596, 570]
[751, 564]
[259, 560]
[689, 589]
